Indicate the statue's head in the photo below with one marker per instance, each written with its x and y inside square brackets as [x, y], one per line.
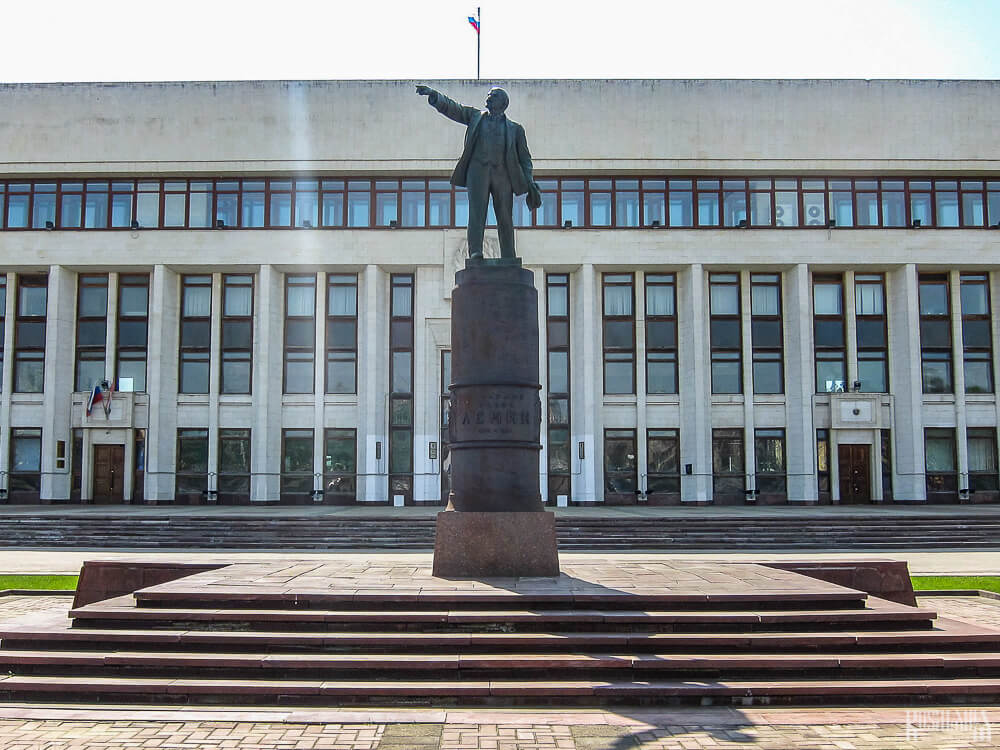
[497, 100]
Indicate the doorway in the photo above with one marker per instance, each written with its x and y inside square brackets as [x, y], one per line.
[854, 464]
[109, 474]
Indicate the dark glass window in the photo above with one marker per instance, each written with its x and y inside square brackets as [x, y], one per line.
[341, 333]
[769, 451]
[977, 338]
[728, 467]
[663, 452]
[823, 464]
[340, 465]
[3, 319]
[133, 322]
[300, 333]
[940, 463]
[935, 334]
[237, 333]
[872, 336]
[401, 286]
[25, 480]
[196, 333]
[558, 422]
[982, 446]
[91, 330]
[661, 333]
[192, 461]
[29, 334]
[765, 333]
[296, 465]
[620, 467]
[619, 338]
[234, 466]
[828, 332]
[725, 336]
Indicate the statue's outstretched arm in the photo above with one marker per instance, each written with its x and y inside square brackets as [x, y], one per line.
[447, 107]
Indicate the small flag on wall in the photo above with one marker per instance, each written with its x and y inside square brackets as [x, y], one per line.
[475, 23]
[96, 397]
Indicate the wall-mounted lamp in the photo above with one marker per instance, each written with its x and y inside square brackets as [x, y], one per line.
[742, 224]
[831, 223]
[220, 223]
[568, 224]
[135, 224]
[393, 223]
[856, 385]
[655, 224]
[916, 223]
[49, 225]
[307, 224]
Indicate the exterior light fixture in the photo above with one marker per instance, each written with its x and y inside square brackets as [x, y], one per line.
[568, 224]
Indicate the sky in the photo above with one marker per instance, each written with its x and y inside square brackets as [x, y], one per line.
[139, 40]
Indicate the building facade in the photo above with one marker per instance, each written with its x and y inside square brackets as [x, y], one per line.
[750, 291]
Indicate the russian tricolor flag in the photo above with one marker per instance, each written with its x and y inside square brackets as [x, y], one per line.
[475, 23]
[96, 396]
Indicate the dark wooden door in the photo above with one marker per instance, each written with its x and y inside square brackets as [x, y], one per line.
[109, 473]
[855, 472]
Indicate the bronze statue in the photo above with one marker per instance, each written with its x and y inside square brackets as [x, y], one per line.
[495, 161]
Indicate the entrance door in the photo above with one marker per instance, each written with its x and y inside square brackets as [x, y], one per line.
[109, 473]
[855, 471]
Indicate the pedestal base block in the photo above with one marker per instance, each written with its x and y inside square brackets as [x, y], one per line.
[471, 544]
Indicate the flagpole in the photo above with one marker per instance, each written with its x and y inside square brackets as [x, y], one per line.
[479, 33]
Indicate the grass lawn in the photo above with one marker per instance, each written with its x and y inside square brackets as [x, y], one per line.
[987, 583]
[40, 582]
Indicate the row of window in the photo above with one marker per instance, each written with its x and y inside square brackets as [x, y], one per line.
[621, 202]
[831, 323]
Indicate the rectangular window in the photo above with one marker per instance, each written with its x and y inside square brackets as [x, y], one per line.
[192, 462]
[196, 333]
[728, 467]
[661, 333]
[29, 334]
[977, 337]
[663, 473]
[401, 307]
[873, 340]
[25, 481]
[620, 472]
[982, 445]
[939, 452]
[91, 330]
[886, 440]
[725, 332]
[935, 333]
[300, 333]
[237, 333]
[769, 452]
[766, 333]
[828, 334]
[296, 466]
[558, 422]
[340, 471]
[341, 333]
[234, 466]
[619, 333]
[133, 323]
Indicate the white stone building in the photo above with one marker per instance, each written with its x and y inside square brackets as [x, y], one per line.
[751, 291]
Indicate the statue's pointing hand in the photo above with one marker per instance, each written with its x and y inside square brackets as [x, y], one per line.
[424, 90]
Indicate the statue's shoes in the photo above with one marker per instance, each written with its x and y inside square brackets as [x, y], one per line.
[476, 255]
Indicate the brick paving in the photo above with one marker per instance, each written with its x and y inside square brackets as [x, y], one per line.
[923, 728]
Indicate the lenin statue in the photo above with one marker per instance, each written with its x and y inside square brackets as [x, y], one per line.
[495, 161]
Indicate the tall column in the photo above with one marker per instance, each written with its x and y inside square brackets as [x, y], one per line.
[59, 334]
[587, 394]
[111, 343]
[695, 385]
[904, 374]
[161, 383]
[426, 485]
[265, 451]
[373, 372]
[800, 430]
[746, 358]
[851, 320]
[958, 367]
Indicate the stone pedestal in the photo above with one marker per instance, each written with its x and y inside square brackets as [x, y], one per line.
[494, 426]
[471, 544]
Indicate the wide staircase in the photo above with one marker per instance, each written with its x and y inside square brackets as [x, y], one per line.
[286, 530]
[637, 633]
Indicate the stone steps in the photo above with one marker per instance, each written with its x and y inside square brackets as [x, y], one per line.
[338, 633]
[664, 533]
